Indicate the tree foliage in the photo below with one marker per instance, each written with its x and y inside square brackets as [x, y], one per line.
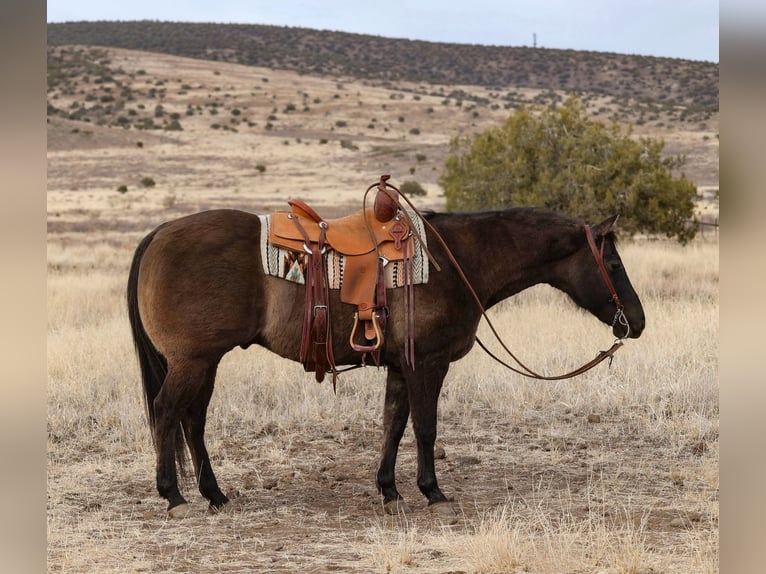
[562, 160]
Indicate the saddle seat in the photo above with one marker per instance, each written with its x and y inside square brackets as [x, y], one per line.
[355, 234]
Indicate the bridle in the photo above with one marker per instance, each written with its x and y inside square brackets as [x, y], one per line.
[598, 254]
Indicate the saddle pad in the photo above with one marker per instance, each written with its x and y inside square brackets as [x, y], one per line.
[291, 265]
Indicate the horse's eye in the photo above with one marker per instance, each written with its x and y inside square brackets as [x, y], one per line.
[613, 266]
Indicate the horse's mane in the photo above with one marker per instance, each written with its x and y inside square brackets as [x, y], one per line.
[530, 215]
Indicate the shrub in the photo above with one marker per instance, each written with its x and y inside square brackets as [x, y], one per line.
[147, 182]
[412, 189]
[123, 189]
[562, 160]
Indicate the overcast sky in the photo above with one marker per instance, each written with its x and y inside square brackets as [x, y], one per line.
[668, 28]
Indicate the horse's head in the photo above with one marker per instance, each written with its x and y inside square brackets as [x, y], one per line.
[600, 284]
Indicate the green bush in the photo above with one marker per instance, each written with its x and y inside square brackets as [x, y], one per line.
[412, 189]
[562, 160]
[147, 182]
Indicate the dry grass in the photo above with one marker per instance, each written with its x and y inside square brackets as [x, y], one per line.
[552, 492]
[615, 471]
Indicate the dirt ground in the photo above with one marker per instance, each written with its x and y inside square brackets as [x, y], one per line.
[317, 510]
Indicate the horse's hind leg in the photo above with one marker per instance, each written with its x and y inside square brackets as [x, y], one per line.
[183, 384]
[194, 429]
[395, 414]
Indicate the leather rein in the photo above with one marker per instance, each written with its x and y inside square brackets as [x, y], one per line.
[598, 255]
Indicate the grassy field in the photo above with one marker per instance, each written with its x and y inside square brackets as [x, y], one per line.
[616, 469]
[613, 472]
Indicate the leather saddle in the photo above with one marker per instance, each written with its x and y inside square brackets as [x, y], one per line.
[368, 240]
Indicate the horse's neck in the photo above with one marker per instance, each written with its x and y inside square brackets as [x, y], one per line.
[503, 254]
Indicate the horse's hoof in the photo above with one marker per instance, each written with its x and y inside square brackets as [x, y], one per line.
[396, 507]
[218, 509]
[444, 511]
[179, 511]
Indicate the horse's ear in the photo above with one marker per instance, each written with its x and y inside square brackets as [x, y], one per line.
[605, 226]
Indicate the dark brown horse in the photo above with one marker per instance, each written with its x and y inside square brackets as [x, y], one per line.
[197, 289]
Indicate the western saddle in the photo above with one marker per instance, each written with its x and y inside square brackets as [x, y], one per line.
[368, 241]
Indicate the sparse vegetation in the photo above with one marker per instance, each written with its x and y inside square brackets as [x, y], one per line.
[616, 471]
[642, 78]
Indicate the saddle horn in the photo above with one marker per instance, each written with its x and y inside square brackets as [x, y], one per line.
[386, 204]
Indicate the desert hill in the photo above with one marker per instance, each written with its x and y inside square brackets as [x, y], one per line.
[180, 133]
[664, 82]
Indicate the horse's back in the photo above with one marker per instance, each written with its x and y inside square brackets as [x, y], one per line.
[200, 283]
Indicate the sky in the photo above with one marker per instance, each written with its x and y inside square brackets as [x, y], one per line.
[685, 29]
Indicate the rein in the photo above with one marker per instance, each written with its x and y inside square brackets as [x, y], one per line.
[598, 255]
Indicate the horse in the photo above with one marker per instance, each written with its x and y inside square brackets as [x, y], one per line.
[197, 289]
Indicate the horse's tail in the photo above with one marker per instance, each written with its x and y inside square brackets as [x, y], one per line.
[154, 366]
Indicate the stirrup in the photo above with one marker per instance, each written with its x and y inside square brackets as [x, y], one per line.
[378, 341]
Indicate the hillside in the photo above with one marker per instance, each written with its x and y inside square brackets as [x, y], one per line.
[149, 136]
[663, 83]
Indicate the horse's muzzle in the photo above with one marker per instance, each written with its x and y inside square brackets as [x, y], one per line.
[627, 326]
[631, 330]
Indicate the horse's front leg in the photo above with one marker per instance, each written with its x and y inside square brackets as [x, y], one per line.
[424, 386]
[395, 414]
